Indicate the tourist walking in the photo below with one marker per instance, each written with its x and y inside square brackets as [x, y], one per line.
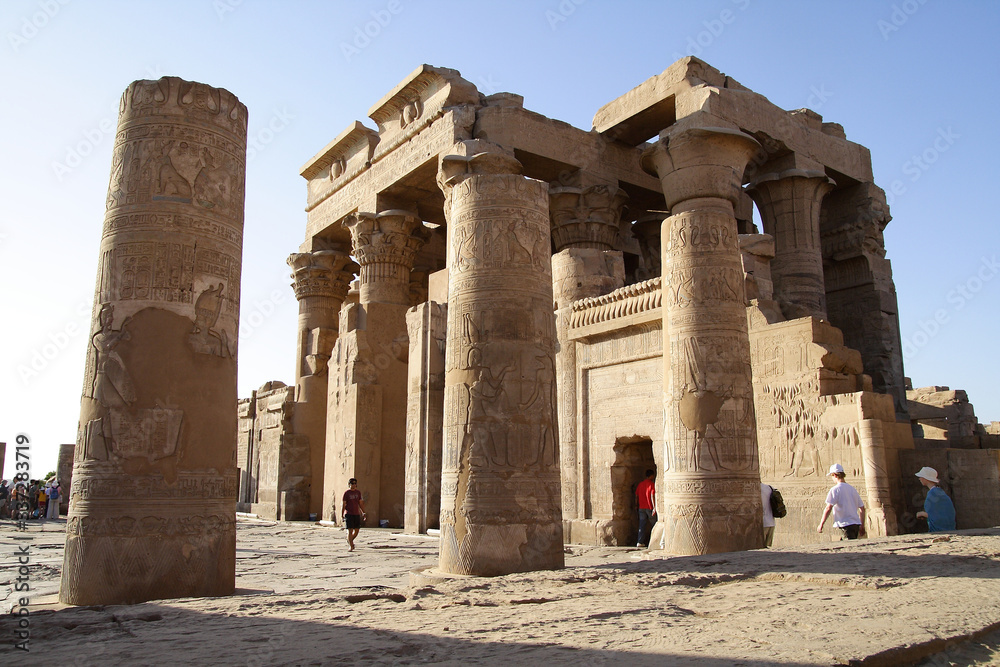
[846, 504]
[938, 508]
[645, 494]
[353, 512]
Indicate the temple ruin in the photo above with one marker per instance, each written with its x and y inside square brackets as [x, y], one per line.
[504, 320]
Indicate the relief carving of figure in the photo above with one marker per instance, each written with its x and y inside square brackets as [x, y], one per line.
[112, 384]
[487, 408]
[213, 185]
[204, 339]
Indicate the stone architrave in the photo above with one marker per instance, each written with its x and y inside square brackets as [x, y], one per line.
[64, 473]
[710, 486]
[152, 509]
[500, 490]
[789, 204]
[366, 418]
[322, 280]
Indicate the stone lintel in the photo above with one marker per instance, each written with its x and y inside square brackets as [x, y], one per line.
[421, 84]
[648, 108]
[755, 114]
[690, 85]
[416, 101]
[328, 205]
[350, 146]
[561, 149]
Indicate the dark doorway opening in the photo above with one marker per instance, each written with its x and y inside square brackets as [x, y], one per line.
[633, 456]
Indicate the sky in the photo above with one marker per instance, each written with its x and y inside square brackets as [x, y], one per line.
[913, 80]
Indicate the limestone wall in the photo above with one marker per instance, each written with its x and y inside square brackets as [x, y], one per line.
[273, 460]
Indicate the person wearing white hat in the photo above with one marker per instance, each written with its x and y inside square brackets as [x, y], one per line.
[938, 508]
[846, 504]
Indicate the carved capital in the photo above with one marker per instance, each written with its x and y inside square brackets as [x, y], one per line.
[323, 273]
[700, 162]
[585, 217]
[386, 246]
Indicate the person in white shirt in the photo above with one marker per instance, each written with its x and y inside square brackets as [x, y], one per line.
[765, 499]
[846, 504]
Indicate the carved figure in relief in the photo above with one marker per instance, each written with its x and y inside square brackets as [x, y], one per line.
[169, 181]
[699, 408]
[112, 384]
[203, 339]
[487, 408]
[466, 249]
[519, 254]
[537, 409]
[213, 185]
[410, 113]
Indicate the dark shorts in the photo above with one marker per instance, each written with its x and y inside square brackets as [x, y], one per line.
[352, 520]
[851, 532]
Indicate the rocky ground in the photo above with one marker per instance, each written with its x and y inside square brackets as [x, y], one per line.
[302, 599]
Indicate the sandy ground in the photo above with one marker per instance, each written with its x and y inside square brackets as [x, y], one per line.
[302, 599]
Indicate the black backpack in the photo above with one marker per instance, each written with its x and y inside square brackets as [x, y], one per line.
[777, 504]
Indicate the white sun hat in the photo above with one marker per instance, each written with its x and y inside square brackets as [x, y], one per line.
[836, 467]
[930, 474]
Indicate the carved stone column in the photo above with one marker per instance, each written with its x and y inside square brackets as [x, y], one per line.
[322, 280]
[500, 497]
[789, 204]
[424, 415]
[584, 230]
[366, 421]
[152, 512]
[65, 476]
[710, 487]
[647, 230]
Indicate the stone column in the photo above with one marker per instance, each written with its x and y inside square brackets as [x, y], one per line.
[64, 473]
[584, 230]
[424, 415]
[152, 512]
[500, 497]
[880, 514]
[647, 230]
[710, 486]
[366, 417]
[322, 280]
[789, 204]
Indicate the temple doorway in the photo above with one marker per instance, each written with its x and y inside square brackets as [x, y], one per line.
[633, 455]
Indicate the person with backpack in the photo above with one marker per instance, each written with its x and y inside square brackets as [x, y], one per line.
[765, 500]
[53, 493]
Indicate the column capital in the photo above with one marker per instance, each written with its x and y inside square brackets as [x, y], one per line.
[323, 273]
[585, 216]
[473, 157]
[700, 162]
[386, 245]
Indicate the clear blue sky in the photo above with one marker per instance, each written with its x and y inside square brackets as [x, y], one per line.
[908, 79]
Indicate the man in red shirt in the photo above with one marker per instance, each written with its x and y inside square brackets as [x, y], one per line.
[353, 511]
[645, 494]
